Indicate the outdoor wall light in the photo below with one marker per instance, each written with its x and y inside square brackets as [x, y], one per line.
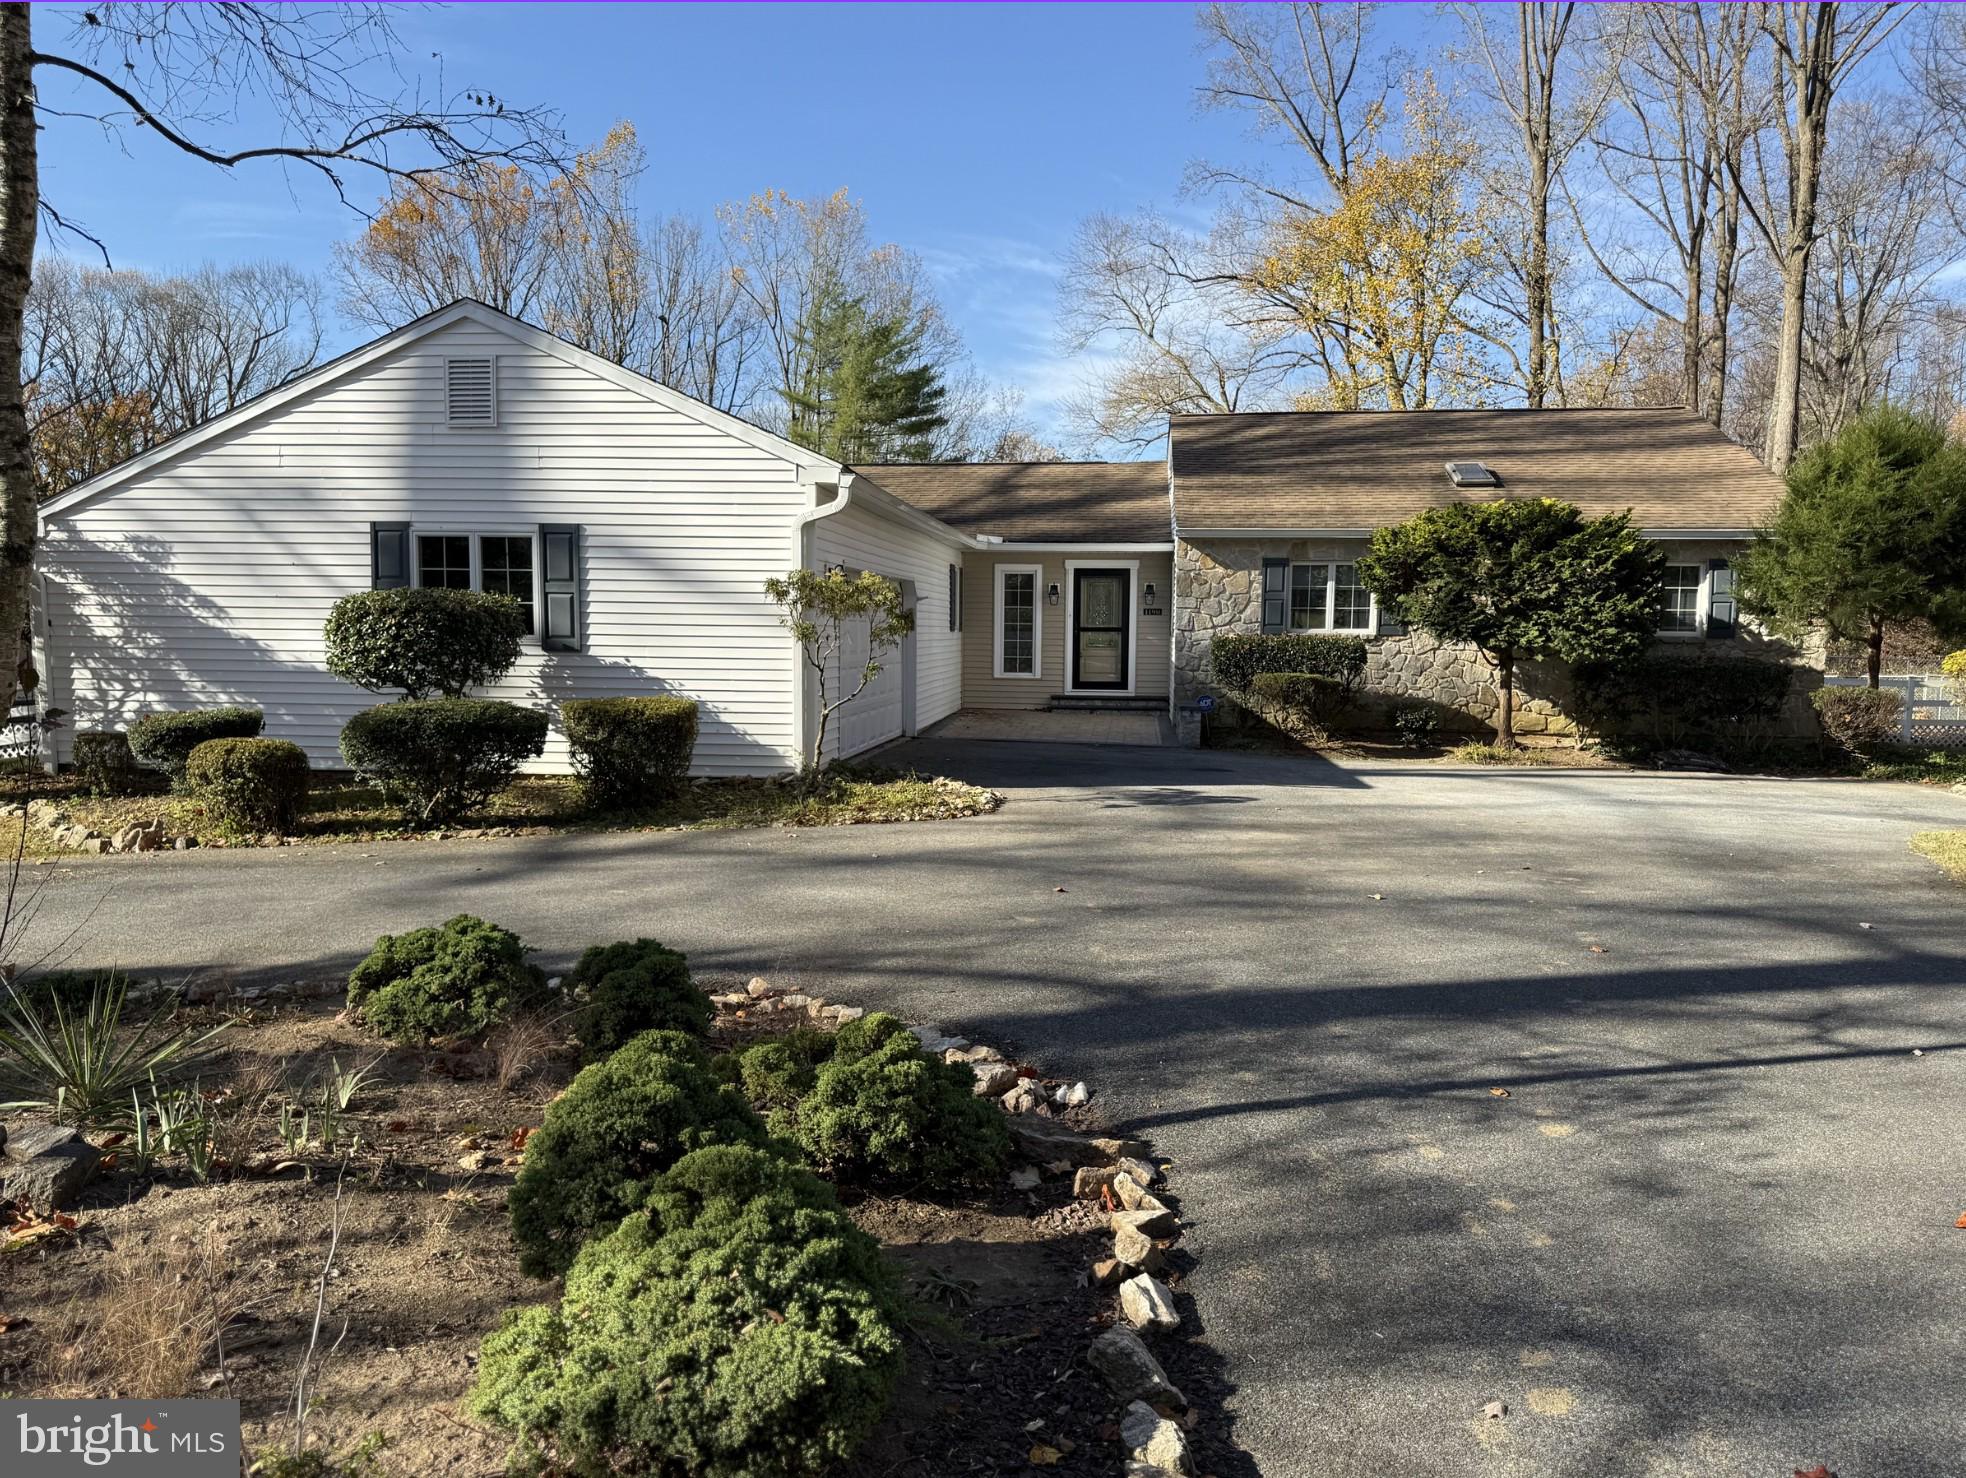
[1147, 593]
[1051, 595]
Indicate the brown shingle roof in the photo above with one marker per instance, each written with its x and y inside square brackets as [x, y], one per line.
[1360, 469]
[1038, 502]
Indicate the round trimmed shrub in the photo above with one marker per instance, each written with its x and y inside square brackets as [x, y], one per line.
[1302, 704]
[738, 1325]
[439, 758]
[249, 785]
[883, 1108]
[103, 761]
[424, 640]
[621, 1122]
[1238, 659]
[628, 988]
[778, 1073]
[1859, 719]
[630, 751]
[450, 980]
[1415, 723]
[164, 741]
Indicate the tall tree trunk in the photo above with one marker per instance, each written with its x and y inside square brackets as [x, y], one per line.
[1785, 413]
[1874, 654]
[1692, 343]
[1505, 700]
[1727, 246]
[20, 201]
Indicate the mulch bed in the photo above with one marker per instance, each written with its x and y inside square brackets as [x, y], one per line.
[996, 1383]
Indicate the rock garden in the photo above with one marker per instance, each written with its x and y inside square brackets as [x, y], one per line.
[454, 1214]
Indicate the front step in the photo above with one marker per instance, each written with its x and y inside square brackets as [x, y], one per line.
[1098, 703]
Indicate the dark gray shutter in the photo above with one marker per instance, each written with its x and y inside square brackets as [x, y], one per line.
[1722, 613]
[955, 599]
[559, 549]
[1276, 596]
[389, 556]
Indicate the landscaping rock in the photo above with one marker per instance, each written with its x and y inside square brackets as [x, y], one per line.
[759, 988]
[843, 1014]
[993, 1079]
[1043, 1140]
[1161, 1223]
[1134, 1247]
[972, 1055]
[1137, 1469]
[1145, 1303]
[185, 844]
[1154, 1440]
[1129, 1369]
[1144, 1171]
[48, 1165]
[1026, 1097]
[1024, 1178]
[1093, 1181]
[1077, 1095]
[793, 1002]
[1134, 1196]
[1109, 1272]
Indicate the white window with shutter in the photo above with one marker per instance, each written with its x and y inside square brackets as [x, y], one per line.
[471, 391]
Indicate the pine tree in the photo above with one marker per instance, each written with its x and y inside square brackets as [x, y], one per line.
[868, 396]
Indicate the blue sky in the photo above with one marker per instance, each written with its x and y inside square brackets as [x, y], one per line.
[976, 135]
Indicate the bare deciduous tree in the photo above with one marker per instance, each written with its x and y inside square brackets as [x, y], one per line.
[115, 362]
[1163, 319]
[330, 76]
[1815, 46]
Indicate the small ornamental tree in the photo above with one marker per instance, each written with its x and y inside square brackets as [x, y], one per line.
[1525, 578]
[821, 609]
[426, 641]
[1872, 532]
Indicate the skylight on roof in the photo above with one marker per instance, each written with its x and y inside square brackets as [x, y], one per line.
[1472, 475]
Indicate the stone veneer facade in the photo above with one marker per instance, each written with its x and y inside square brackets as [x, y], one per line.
[1218, 592]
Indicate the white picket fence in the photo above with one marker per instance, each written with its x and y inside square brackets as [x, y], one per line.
[1932, 713]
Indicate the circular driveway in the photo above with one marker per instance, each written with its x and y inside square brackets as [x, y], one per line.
[1592, 1093]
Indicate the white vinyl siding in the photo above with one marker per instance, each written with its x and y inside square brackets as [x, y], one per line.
[206, 579]
[861, 539]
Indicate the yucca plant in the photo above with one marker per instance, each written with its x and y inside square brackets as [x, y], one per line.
[83, 1066]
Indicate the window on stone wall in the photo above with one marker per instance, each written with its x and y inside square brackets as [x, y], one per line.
[1328, 597]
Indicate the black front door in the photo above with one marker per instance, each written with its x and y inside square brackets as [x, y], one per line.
[1102, 608]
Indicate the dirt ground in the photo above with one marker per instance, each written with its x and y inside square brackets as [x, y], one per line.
[424, 1267]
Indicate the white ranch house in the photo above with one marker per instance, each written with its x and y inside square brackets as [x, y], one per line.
[638, 526]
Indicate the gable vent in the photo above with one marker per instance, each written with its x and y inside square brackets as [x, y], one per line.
[471, 391]
[1472, 475]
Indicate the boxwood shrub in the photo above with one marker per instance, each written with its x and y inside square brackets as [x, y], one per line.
[249, 785]
[621, 1122]
[103, 761]
[630, 751]
[451, 980]
[1238, 659]
[881, 1108]
[164, 741]
[424, 641]
[628, 988]
[439, 758]
[737, 1325]
[1859, 719]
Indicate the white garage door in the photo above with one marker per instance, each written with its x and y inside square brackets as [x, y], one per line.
[878, 714]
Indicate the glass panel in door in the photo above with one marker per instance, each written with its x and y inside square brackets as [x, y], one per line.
[1100, 609]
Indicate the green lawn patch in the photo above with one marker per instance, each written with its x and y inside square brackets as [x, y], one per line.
[1920, 766]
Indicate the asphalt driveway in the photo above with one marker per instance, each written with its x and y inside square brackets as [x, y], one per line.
[1708, 1230]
